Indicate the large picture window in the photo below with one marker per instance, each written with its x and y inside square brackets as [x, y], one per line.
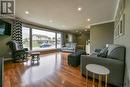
[35, 39]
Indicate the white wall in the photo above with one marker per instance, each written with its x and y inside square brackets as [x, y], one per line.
[100, 35]
[82, 38]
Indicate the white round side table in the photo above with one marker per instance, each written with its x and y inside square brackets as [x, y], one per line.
[99, 70]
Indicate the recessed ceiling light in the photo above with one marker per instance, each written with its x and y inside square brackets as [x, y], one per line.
[50, 21]
[89, 19]
[26, 12]
[79, 9]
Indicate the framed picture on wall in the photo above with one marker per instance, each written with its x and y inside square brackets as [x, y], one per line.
[120, 27]
[120, 20]
[116, 31]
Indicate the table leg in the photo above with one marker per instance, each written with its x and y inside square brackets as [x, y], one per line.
[100, 81]
[106, 77]
[93, 80]
[86, 78]
[38, 57]
[32, 57]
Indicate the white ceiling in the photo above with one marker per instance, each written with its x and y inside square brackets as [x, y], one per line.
[64, 13]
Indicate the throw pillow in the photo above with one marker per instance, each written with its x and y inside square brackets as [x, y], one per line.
[103, 52]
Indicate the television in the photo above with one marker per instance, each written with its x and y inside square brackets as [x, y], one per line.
[5, 28]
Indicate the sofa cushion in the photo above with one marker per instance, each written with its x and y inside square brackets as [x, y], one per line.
[103, 52]
[116, 52]
[94, 54]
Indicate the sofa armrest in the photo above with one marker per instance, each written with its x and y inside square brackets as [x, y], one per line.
[99, 60]
[116, 67]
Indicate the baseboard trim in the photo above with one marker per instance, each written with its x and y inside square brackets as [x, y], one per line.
[8, 59]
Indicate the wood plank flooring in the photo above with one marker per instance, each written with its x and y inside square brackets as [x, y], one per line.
[51, 71]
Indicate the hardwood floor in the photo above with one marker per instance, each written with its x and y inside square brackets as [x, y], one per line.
[51, 71]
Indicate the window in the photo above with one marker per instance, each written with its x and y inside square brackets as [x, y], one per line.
[59, 41]
[35, 39]
[26, 37]
[43, 39]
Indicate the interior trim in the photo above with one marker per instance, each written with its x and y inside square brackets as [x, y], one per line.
[101, 22]
[116, 9]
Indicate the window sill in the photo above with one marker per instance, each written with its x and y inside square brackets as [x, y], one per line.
[45, 50]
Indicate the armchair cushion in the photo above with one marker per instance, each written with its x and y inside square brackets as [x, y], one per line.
[17, 52]
[69, 47]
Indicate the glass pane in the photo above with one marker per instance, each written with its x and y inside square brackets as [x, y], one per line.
[42, 39]
[59, 42]
[26, 37]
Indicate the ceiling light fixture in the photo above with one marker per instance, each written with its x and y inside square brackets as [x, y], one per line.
[88, 19]
[79, 9]
[26, 12]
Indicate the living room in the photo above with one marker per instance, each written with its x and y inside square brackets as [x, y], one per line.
[59, 43]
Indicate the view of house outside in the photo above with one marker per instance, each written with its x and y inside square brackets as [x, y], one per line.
[43, 39]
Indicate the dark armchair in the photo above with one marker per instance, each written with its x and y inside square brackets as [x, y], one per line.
[17, 52]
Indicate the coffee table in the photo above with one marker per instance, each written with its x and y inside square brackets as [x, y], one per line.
[98, 70]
